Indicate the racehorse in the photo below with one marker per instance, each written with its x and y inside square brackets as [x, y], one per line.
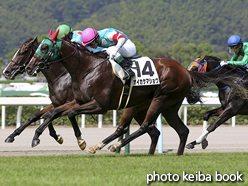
[97, 90]
[231, 103]
[56, 83]
[59, 84]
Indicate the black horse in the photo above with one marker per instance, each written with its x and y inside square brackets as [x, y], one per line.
[231, 102]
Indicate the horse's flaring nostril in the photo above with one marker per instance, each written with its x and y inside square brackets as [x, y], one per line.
[28, 70]
[6, 73]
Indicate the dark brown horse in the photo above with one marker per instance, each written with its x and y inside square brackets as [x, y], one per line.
[97, 90]
[231, 103]
[59, 84]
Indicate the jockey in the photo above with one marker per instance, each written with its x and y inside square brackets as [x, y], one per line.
[116, 44]
[67, 33]
[239, 48]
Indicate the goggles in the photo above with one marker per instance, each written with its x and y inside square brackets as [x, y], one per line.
[92, 43]
[234, 47]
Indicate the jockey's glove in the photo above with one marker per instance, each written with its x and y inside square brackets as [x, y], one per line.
[222, 63]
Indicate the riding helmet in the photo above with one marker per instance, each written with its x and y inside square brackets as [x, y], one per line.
[63, 30]
[234, 40]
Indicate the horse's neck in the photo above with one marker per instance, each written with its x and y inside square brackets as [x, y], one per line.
[54, 72]
[79, 62]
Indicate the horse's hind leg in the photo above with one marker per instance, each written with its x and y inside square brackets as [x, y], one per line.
[32, 119]
[121, 129]
[171, 116]
[153, 132]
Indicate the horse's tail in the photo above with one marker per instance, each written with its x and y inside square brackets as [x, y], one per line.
[193, 97]
[200, 80]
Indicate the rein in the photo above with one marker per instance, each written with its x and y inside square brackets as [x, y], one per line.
[95, 67]
[237, 82]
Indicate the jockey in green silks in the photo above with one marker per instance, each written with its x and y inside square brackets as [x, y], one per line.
[239, 48]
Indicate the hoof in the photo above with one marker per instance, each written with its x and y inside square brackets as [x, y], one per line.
[9, 139]
[111, 148]
[35, 143]
[60, 139]
[91, 151]
[82, 145]
[189, 146]
[204, 144]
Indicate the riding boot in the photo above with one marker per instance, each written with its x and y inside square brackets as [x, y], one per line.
[126, 67]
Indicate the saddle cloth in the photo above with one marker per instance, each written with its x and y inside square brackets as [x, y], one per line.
[144, 69]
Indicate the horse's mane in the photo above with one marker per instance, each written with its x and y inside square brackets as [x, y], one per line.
[213, 58]
[102, 54]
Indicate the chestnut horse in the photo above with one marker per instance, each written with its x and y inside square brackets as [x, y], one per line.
[96, 90]
[231, 103]
[59, 84]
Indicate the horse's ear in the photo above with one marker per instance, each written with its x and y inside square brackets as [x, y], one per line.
[201, 60]
[54, 36]
[50, 32]
[36, 39]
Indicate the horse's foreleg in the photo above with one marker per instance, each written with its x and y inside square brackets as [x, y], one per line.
[91, 107]
[50, 116]
[32, 119]
[226, 114]
[207, 115]
[52, 133]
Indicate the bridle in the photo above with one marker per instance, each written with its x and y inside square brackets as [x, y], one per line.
[22, 67]
[45, 63]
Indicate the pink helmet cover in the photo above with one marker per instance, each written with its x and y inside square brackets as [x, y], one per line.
[89, 35]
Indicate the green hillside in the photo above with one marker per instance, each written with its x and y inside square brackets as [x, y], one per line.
[154, 24]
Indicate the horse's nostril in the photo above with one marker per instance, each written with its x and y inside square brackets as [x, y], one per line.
[28, 69]
[6, 72]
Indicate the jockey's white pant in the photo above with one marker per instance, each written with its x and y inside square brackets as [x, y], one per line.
[127, 50]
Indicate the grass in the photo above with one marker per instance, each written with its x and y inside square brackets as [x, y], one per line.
[117, 169]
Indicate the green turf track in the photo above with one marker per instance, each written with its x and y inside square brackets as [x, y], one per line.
[118, 169]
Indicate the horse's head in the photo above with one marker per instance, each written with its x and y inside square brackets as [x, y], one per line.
[204, 64]
[21, 58]
[48, 51]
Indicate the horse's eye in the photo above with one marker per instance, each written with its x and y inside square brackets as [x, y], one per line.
[44, 49]
[21, 53]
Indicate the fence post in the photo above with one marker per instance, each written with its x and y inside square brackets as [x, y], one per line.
[83, 121]
[160, 139]
[42, 120]
[3, 116]
[99, 120]
[114, 117]
[19, 115]
[233, 121]
[185, 115]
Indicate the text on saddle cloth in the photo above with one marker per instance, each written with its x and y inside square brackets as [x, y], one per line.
[144, 69]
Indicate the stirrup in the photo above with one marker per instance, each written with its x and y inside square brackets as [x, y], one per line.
[128, 74]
